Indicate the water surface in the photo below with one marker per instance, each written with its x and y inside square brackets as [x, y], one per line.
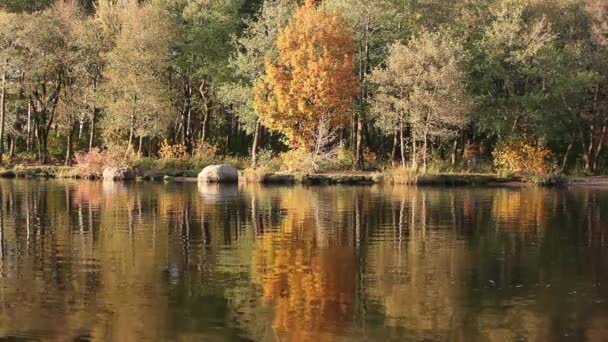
[84, 260]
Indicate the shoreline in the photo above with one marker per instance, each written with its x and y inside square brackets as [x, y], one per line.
[324, 178]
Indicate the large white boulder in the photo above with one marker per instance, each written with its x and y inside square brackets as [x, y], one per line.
[223, 173]
[114, 173]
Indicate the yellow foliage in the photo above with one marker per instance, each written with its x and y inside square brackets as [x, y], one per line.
[204, 150]
[299, 160]
[313, 81]
[168, 151]
[522, 158]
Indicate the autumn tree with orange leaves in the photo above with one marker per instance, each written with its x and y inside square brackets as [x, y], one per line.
[308, 92]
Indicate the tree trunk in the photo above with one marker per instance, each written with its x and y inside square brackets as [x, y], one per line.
[254, 146]
[131, 132]
[394, 149]
[402, 145]
[424, 152]
[598, 149]
[92, 130]
[140, 146]
[2, 114]
[28, 138]
[454, 151]
[68, 153]
[359, 147]
[565, 160]
[204, 127]
[414, 151]
[11, 151]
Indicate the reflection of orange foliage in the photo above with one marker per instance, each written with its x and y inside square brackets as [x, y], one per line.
[311, 287]
[521, 209]
[87, 192]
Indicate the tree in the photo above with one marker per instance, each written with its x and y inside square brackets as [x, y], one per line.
[46, 58]
[375, 25]
[203, 46]
[138, 103]
[258, 41]
[423, 86]
[9, 24]
[313, 85]
[512, 59]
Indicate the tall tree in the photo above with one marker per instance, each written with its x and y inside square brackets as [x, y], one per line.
[423, 85]
[312, 86]
[9, 25]
[258, 41]
[202, 50]
[46, 58]
[375, 25]
[136, 91]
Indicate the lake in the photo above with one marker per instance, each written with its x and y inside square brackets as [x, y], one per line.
[84, 260]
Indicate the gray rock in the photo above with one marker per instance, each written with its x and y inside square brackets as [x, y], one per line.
[223, 173]
[114, 173]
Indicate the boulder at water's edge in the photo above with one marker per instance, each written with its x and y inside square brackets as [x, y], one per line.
[114, 173]
[223, 173]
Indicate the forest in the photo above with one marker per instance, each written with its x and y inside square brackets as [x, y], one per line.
[512, 86]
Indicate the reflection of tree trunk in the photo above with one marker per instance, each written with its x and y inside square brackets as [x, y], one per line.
[401, 217]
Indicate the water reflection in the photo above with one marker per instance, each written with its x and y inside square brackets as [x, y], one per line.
[143, 261]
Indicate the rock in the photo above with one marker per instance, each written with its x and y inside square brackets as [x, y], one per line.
[114, 173]
[223, 173]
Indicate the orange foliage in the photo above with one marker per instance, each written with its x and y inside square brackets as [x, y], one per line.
[313, 81]
[168, 151]
[521, 157]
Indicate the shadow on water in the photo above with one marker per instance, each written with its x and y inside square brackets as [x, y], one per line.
[143, 261]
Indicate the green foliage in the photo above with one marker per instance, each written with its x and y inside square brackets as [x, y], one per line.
[438, 81]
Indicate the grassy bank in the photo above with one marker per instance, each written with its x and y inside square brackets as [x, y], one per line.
[324, 178]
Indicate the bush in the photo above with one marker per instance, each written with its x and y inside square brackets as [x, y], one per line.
[403, 175]
[299, 160]
[177, 151]
[91, 164]
[522, 158]
[205, 150]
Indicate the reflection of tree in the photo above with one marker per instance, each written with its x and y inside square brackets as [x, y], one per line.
[304, 270]
[522, 209]
[417, 273]
[176, 262]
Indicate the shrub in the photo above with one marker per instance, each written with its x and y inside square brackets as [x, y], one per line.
[204, 150]
[268, 161]
[522, 158]
[299, 160]
[168, 151]
[403, 175]
[91, 164]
